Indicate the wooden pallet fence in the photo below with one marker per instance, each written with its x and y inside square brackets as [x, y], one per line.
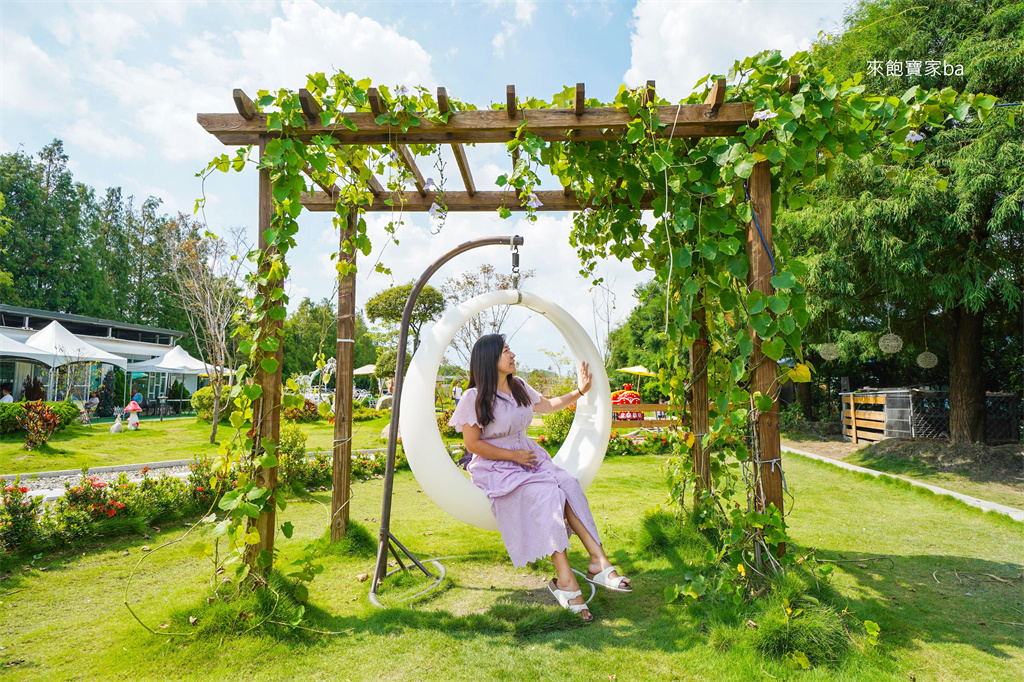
[863, 417]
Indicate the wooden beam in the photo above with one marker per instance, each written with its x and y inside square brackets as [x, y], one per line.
[716, 97]
[310, 107]
[580, 99]
[551, 200]
[333, 190]
[510, 101]
[244, 105]
[650, 94]
[699, 412]
[341, 470]
[467, 175]
[267, 408]
[406, 156]
[376, 103]
[595, 123]
[791, 86]
[443, 105]
[764, 375]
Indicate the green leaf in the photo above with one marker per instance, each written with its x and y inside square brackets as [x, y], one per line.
[728, 299]
[671, 593]
[252, 537]
[268, 460]
[774, 348]
[279, 312]
[779, 303]
[201, 549]
[269, 365]
[737, 369]
[287, 528]
[301, 593]
[784, 280]
[763, 402]
[264, 559]
[270, 344]
[756, 301]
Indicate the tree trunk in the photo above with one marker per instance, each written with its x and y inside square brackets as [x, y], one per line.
[803, 396]
[966, 379]
[216, 414]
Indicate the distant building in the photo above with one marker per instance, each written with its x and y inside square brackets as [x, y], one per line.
[134, 342]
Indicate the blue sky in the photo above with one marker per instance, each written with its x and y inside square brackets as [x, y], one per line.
[121, 82]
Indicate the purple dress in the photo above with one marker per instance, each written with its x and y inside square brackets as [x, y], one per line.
[529, 504]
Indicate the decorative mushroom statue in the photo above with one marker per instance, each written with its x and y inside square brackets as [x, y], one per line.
[133, 410]
[627, 396]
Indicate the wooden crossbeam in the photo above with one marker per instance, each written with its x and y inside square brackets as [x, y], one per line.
[246, 109]
[310, 107]
[444, 106]
[716, 97]
[372, 183]
[510, 101]
[580, 99]
[406, 156]
[331, 190]
[791, 86]
[595, 123]
[551, 200]
[649, 92]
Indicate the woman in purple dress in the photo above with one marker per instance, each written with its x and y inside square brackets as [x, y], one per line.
[536, 503]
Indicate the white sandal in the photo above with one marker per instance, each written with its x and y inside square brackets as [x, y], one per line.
[614, 584]
[563, 597]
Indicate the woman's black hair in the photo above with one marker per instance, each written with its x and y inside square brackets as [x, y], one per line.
[483, 376]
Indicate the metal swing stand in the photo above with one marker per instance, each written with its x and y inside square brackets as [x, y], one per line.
[386, 541]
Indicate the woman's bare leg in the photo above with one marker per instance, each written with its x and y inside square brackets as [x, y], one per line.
[566, 580]
[598, 559]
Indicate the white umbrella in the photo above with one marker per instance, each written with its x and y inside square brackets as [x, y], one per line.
[365, 369]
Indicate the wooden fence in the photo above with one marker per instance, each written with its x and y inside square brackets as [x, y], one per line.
[863, 417]
[645, 422]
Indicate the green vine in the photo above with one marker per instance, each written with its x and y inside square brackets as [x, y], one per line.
[695, 244]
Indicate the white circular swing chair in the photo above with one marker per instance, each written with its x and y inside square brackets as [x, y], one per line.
[582, 452]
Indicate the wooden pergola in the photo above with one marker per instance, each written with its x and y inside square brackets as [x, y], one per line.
[580, 124]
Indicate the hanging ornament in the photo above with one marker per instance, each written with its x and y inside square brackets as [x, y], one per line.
[890, 343]
[828, 351]
[927, 359]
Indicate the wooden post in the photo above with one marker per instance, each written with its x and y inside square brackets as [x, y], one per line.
[700, 455]
[341, 476]
[267, 408]
[765, 372]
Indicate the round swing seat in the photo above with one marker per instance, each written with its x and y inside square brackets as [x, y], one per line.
[440, 478]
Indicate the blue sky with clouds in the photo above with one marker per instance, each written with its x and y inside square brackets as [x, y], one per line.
[121, 83]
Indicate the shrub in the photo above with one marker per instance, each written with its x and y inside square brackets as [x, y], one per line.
[10, 413]
[307, 413]
[300, 471]
[362, 414]
[109, 393]
[442, 424]
[39, 423]
[791, 418]
[202, 403]
[791, 627]
[556, 425]
[19, 517]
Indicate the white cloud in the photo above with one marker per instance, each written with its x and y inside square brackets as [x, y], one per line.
[522, 12]
[676, 43]
[93, 137]
[30, 80]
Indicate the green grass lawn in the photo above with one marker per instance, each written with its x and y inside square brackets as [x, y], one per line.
[933, 598]
[1008, 490]
[156, 441]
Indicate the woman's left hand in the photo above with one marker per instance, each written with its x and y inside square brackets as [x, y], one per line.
[585, 378]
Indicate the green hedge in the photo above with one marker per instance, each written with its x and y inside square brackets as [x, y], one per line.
[10, 412]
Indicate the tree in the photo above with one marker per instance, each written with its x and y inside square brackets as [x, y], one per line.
[470, 285]
[5, 225]
[387, 307]
[306, 335]
[640, 339]
[887, 252]
[205, 271]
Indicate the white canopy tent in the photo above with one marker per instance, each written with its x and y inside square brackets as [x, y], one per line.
[175, 361]
[9, 348]
[62, 347]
